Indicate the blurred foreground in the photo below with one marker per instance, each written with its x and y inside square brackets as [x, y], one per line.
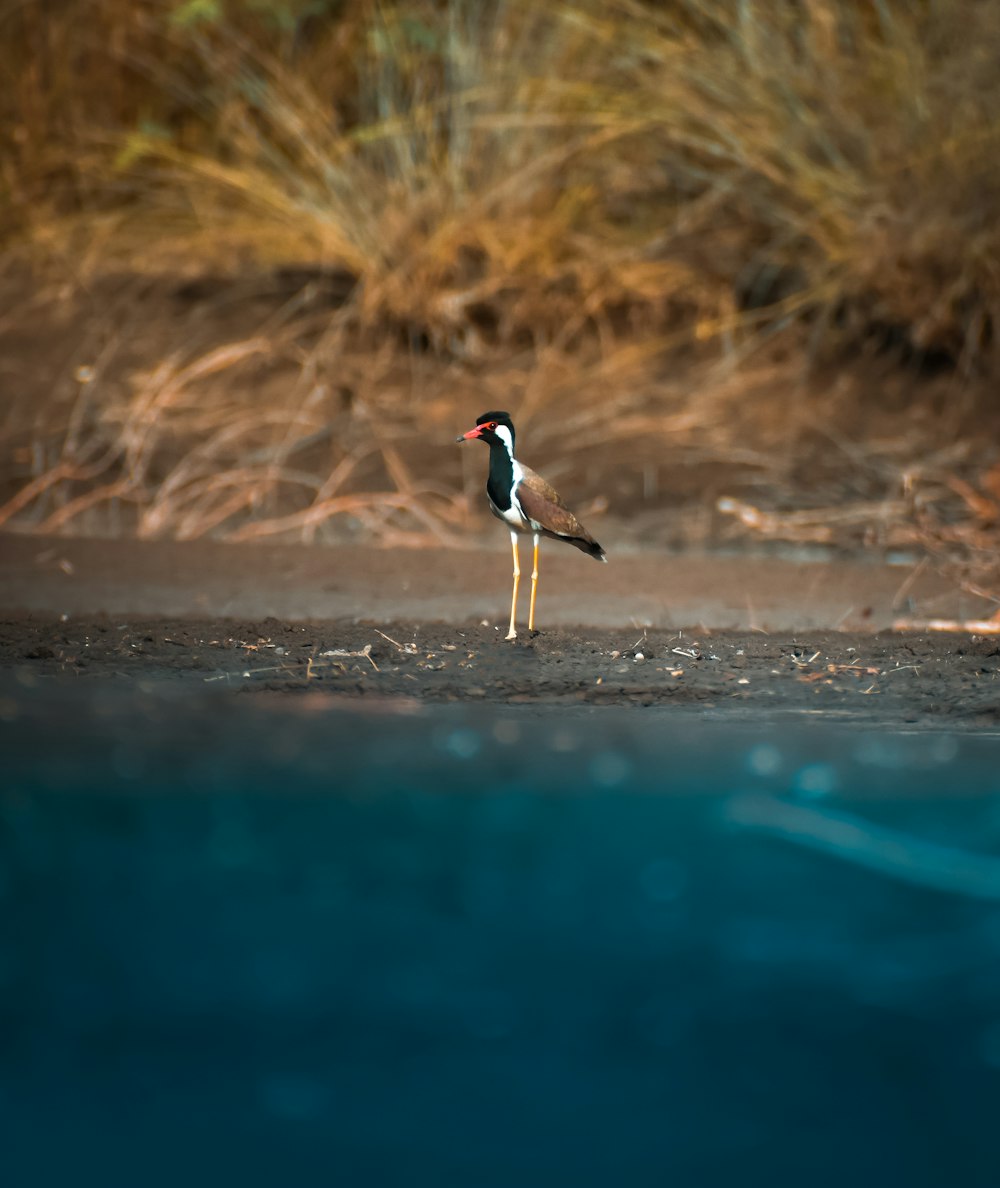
[252, 940]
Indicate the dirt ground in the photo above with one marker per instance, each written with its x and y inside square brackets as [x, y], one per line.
[406, 628]
[892, 680]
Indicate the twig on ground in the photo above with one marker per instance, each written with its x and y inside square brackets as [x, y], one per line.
[959, 626]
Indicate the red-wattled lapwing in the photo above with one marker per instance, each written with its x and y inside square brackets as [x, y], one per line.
[526, 503]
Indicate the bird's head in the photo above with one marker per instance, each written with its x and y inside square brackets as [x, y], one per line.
[495, 428]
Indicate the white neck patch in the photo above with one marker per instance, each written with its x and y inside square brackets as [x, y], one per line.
[508, 442]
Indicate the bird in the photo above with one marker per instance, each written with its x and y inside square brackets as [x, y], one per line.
[526, 504]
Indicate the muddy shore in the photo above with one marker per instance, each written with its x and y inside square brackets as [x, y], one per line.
[759, 639]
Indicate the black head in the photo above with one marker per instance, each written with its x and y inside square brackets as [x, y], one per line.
[487, 426]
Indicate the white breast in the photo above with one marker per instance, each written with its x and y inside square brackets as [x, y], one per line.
[515, 517]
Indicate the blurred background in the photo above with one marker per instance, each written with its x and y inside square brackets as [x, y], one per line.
[733, 267]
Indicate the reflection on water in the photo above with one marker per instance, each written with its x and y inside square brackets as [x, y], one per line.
[284, 942]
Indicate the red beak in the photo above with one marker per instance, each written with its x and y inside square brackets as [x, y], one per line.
[477, 432]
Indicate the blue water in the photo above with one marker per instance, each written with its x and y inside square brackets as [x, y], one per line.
[260, 942]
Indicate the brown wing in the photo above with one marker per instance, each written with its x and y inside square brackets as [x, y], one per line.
[542, 505]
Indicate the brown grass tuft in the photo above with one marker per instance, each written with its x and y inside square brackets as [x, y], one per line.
[740, 242]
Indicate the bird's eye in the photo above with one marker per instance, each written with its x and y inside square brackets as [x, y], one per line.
[492, 425]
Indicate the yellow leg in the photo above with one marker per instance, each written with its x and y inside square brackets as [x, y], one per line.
[534, 590]
[512, 633]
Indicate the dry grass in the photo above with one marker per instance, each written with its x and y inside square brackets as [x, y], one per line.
[668, 236]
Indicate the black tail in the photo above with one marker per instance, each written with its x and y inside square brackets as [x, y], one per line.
[586, 544]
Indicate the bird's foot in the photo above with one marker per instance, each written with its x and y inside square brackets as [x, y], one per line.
[511, 634]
